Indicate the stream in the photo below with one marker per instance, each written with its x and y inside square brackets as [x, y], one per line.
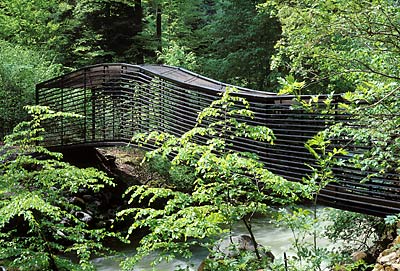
[278, 239]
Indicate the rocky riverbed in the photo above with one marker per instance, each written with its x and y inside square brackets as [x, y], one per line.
[124, 164]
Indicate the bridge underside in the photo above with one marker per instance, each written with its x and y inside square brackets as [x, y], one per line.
[119, 100]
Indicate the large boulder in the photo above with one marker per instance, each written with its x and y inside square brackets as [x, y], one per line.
[232, 246]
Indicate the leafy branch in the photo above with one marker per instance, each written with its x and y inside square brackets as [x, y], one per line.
[228, 186]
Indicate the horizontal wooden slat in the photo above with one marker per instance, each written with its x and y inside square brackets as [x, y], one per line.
[119, 100]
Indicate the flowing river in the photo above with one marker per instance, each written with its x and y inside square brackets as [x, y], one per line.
[278, 239]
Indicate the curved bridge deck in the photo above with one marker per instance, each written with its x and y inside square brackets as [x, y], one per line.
[118, 100]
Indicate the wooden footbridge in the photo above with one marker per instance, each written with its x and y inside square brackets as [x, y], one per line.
[119, 100]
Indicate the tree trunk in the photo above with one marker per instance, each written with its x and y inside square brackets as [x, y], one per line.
[138, 21]
[158, 28]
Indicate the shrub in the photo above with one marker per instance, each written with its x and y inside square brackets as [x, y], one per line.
[20, 70]
[38, 225]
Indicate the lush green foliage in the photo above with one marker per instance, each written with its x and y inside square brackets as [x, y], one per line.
[228, 186]
[347, 46]
[38, 225]
[349, 225]
[352, 47]
[240, 42]
[36, 23]
[244, 261]
[191, 34]
[377, 127]
[105, 31]
[181, 23]
[354, 232]
[305, 224]
[335, 45]
[20, 69]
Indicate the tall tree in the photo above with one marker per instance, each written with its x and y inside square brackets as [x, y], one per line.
[171, 28]
[106, 31]
[138, 23]
[336, 44]
[353, 47]
[238, 44]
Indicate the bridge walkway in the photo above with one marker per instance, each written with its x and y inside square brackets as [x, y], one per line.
[118, 100]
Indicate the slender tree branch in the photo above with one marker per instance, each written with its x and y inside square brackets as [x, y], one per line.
[384, 98]
[255, 245]
[372, 70]
[390, 21]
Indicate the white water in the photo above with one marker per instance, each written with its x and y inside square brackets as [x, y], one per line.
[278, 240]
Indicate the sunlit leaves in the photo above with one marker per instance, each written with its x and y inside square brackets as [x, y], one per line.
[290, 86]
[33, 23]
[20, 69]
[227, 185]
[335, 45]
[34, 186]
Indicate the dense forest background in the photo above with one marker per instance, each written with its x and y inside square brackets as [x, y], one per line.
[294, 47]
[331, 45]
[227, 40]
[231, 41]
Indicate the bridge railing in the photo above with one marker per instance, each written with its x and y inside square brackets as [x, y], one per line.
[119, 100]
